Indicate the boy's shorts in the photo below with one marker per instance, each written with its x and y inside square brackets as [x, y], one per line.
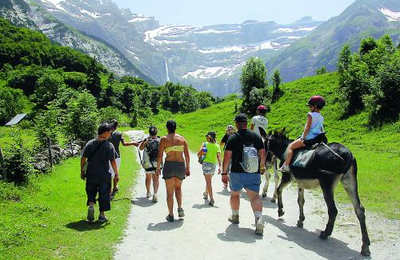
[118, 161]
[239, 180]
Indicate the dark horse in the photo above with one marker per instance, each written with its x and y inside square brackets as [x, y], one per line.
[328, 167]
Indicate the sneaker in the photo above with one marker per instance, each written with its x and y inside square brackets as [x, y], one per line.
[205, 196]
[169, 218]
[181, 213]
[148, 195]
[155, 198]
[211, 203]
[259, 227]
[234, 219]
[284, 168]
[90, 213]
[102, 219]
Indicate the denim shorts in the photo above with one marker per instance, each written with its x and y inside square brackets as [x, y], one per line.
[239, 180]
[208, 168]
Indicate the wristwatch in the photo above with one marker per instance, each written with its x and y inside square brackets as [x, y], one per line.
[224, 173]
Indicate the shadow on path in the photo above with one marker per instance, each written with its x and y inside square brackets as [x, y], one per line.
[83, 225]
[331, 248]
[165, 226]
[234, 233]
[142, 202]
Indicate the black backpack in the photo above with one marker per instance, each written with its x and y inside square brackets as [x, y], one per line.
[150, 154]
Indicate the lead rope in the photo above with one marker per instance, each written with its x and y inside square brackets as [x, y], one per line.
[330, 149]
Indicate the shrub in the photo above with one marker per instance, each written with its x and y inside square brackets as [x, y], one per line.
[109, 113]
[17, 161]
[47, 127]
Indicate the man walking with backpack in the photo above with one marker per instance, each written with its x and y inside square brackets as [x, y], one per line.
[246, 150]
[149, 161]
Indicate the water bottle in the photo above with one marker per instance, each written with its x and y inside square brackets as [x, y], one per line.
[203, 154]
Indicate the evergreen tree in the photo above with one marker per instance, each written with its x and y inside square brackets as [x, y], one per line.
[93, 82]
[276, 82]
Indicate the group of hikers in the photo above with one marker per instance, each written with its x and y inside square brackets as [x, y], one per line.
[243, 162]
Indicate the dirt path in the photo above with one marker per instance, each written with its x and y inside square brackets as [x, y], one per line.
[205, 232]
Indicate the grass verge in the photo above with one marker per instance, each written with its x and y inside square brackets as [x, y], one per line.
[47, 219]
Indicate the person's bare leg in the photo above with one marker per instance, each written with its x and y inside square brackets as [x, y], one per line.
[169, 184]
[178, 191]
[148, 183]
[209, 186]
[156, 183]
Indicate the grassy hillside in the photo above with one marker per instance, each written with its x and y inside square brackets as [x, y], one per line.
[377, 150]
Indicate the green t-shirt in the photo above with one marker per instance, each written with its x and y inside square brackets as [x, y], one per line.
[212, 150]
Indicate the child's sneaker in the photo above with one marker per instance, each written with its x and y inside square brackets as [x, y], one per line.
[211, 203]
[102, 219]
[205, 196]
[181, 213]
[155, 198]
[234, 219]
[148, 195]
[170, 218]
[90, 213]
[284, 168]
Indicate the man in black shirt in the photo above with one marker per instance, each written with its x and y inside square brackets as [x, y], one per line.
[238, 144]
[100, 154]
[116, 138]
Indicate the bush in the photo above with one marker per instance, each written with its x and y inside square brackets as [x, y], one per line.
[47, 127]
[109, 113]
[11, 103]
[17, 161]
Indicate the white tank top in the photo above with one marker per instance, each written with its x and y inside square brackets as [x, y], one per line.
[317, 125]
[259, 121]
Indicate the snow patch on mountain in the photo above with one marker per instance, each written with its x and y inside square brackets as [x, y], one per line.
[139, 18]
[212, 72]
[166, 32]
[56, 3]
[94, 15]
[211, 31]
[391, 16]
[291, 30]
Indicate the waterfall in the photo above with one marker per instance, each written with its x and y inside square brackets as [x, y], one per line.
[166, 69]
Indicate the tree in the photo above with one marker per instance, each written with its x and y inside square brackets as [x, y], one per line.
[367, 45]
[11, 103]
[82, 118]
[49, 87]
[47, 126]
[254, 76]
[321, 70]
[188, 102]
[276, 82]
[93, 82]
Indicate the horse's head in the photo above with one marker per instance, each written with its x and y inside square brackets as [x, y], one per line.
[275, 144]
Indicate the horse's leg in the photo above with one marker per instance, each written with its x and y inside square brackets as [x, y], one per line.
[300, 201]
[349, 181]
[327, 188]
[284, 182]
[265, 189]
[276, 179]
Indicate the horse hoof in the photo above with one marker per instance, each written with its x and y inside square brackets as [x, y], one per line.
[273, 200]
[264, 195]
[300, 224]
[323, 235]
[281, 213]
[365, 251]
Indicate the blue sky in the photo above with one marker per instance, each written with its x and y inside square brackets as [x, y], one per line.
[207, 12]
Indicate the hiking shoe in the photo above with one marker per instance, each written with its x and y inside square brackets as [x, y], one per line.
[284, 168]
[181, 213]
[102, 219]
[90, 213]
[259, 227]
[234, 219]
[205, 196]
[211, 203]
[155, 198]
[148, 195]
[169, 218]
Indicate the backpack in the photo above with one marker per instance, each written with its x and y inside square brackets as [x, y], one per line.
[150, 154]
[250, 160]
[203, 153]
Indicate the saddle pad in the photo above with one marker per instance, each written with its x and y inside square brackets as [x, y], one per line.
[302, 158]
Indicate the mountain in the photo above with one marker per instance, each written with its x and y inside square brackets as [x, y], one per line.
[322, 47]
[33, 16]
[208, 58]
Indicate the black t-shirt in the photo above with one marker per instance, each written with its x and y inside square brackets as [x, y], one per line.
[99, 163]
[115, 138]
[225, 138]
[235, 144]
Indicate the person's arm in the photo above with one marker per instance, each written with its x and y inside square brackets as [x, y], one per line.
[161, 148]
[307, 127]
[252, 124]
[83, 160]
[187, 157]
[143, 144]
[115, 168]
[219, 162]
[225, 163]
